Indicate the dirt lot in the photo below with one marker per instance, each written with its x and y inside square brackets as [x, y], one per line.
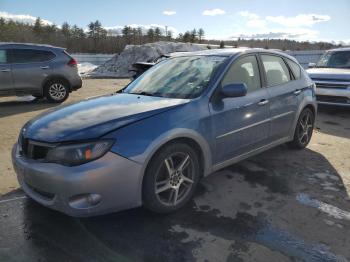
[281, 205]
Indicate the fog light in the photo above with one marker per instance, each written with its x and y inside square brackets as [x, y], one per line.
[85, 201]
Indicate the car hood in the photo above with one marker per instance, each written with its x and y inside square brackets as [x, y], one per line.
[329, 73]
[95, 117]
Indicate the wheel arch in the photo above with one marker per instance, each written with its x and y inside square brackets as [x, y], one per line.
[188, 141]
[189, 137]
[197, 142]
[54, 77]
[310, 105]
[201, 147]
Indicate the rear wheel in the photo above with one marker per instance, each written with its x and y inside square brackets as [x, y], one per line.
[56, 91]
[171, 178]
[304, 129]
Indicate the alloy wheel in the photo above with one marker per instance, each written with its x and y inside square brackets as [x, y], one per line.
[174, 179]
[57, 91]
[305, 128]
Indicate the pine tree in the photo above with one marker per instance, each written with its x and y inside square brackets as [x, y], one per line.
[150, 35]
[157, 34]
[38, 27]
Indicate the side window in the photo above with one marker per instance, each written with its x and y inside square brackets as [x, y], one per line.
[295, 68]
[276, 70]
[3, 57]
[30, 56]
[244, 70]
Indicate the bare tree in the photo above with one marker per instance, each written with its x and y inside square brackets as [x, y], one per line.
[200, 34]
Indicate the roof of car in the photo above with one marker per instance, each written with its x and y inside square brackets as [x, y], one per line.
[340, 49]
[29, 45]
[233, 51]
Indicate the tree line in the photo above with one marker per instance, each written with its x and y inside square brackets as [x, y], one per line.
[96, 39]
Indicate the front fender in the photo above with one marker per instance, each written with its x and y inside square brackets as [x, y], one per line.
[172, 135]
[139, 141]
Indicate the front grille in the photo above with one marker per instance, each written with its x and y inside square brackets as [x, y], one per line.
[33, 149]
[333, 99]
[331, 85]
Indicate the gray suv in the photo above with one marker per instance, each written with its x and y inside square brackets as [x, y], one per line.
[38, 70]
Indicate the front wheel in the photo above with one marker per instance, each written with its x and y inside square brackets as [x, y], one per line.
[304, 129]
[56, 91]
[171, 178]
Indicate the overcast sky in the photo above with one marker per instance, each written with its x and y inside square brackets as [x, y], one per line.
[221, 19]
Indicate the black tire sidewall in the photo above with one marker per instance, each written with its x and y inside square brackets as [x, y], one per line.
[47, 94]
[150, 200]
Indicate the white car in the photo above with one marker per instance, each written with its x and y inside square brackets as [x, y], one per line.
[331, 75]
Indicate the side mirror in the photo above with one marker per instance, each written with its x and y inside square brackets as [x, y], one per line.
[312, 65]
[234, 90]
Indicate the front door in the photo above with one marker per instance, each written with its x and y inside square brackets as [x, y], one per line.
[6, 85]
[240, 124]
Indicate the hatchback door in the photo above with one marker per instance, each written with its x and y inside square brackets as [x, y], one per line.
[283, 93]
[29, 69]
[240, 124]
[6, 85]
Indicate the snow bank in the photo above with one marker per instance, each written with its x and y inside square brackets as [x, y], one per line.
[85, 68]
[120, 65]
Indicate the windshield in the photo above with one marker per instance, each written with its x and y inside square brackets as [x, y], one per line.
[180, 77]
[340, 59]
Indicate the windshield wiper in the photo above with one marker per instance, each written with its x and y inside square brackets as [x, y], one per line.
[144, 93]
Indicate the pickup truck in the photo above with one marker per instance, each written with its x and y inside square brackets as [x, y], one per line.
[331, 75]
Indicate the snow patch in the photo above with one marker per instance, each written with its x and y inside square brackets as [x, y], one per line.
[85, 68]
[332, 211]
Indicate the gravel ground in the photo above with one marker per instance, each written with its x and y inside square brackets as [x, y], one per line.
[281, 205]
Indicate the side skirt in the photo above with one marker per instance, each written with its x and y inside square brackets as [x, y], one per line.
[249, 154]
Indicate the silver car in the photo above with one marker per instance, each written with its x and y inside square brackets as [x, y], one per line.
[332, 77]
[38, 70]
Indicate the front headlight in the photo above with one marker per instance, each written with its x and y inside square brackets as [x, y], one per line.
[77, 154]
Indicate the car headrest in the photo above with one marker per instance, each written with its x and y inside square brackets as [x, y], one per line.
[274, 77]
[242, 75]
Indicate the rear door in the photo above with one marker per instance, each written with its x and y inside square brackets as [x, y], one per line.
[6, 85]
[283, 93]
[30, 67]
[240, 124]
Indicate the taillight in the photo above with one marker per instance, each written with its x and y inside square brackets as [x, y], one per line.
[72, 62]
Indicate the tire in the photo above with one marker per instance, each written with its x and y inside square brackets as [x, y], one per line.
[56, 91]
[175, 187]
[303, 130]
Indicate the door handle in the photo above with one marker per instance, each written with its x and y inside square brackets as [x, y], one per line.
[263, 102]
[44, 67]
[5, 70]
[297, 92]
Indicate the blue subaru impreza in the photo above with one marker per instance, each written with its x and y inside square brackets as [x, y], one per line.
[151, 142]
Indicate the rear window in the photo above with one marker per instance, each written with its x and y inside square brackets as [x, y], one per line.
[276, 70]
[3, 57]
[295, 68]
[30, 55]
